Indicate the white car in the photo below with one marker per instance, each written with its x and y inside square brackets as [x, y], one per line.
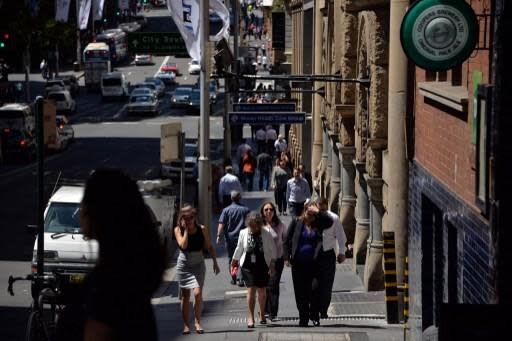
[63, 101]
[143, 104]
[143, 91]
[114, 84]
[168, 77]
[173, 168]
[55, 85]
[194, 67]
[143, 59]
[160, 86]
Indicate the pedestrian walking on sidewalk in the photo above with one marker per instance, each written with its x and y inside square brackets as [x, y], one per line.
[326, 259]
[261, 140]
[192, 239]
[248, 169]
[256, 255]
[297, 192]
[278, 183]
[303, 242]
[277, 229]
[280, 146]
[113, 212]
[228, 183]
[264, 165]
[231, 222]
[271, 139]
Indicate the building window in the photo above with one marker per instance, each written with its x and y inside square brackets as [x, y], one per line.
[483, 103]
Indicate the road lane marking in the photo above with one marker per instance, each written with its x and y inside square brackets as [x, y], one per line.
[163, 63]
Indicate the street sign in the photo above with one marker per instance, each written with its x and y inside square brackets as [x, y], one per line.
[261, 107]
[263, 118]
[170, 43]
[438, 34]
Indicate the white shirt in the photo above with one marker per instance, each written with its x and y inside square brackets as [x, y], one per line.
[261, 135]
[228, 183]
[264, 60]
[258, 59]
[280, 145]
[269, 248]
[334, 234]
[271, 134]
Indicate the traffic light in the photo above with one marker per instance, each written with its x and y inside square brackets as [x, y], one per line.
[4, 40]
[118, 12]
[105, 20]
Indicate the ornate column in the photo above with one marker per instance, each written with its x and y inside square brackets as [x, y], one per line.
[328, 171]
[325, 158]
[335, 174]
[317, 99]
[362, 216]
[348, 197]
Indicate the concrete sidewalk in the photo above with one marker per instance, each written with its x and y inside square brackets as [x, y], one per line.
[353, 314]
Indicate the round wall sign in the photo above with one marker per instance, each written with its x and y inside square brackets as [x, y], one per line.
[439, 34]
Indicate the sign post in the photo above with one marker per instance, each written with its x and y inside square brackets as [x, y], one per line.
[264, 118]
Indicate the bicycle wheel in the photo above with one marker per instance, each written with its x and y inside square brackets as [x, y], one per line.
[34, 330]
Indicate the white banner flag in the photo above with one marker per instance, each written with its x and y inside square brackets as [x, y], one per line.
[123, 4]
[62, 10]
[98, 9]
[83, 16]
[185, 14]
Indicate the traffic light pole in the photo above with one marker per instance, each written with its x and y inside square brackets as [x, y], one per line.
[205, 188]
[78, 44]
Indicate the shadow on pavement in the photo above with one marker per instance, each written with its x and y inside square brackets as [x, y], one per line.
[14, 320]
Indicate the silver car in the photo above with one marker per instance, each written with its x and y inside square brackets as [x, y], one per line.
[181, 97]
[143, 104]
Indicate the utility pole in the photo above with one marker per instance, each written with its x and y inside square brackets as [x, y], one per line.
[78, 43]
[205, 188]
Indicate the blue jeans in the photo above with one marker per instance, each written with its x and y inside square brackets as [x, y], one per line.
[264, 180]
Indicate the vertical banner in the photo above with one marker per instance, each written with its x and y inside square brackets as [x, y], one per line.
[185, 14]
[123, 4]
[98, 9]
[62, 10]
[83, 16]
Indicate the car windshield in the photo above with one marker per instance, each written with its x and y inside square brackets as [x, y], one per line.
[146, 85]
[196, 95]
[141, 99]
[167, 73]
[63, 218]
[190, 150]
[155, 81]
[195, 62]
[57, 97]
[182, 91]
[112, 81]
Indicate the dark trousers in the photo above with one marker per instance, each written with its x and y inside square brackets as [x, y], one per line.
[262, 146]
[296, 208]
[272, 305]
[326, 265]
[226, 201]
[280, 198]
[264, 180]
[250, 178]
[305, 286]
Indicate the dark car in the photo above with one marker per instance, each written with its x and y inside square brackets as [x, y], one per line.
[194, 105]
[71, 83]
[17, 143]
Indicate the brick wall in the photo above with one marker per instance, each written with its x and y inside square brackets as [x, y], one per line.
[443, 136]
[464, 263]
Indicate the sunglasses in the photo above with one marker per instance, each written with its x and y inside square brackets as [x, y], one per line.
[268, 209]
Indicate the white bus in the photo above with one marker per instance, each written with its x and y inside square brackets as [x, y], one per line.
[116, 41]
[96, 63]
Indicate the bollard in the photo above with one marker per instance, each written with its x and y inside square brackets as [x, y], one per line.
[390, 284]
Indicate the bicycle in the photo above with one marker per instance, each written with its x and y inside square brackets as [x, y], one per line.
[55, 290]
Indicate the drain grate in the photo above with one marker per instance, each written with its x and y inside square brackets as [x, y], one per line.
[236, 320]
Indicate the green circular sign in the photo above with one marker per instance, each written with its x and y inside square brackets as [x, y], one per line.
[439, 34]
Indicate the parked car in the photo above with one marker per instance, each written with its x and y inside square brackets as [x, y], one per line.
[194, 104]
[181, 97]
[158, 83]
[18, 143]
[143, 59]
[158, 92]
[143, 105]
[63, 101]
[171, 66]
[173, 168]
[194, 67]
[54, 85]
[114, 84]
[168, 77]
[159, 3]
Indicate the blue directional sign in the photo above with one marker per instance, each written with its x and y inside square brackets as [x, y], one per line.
[261, 107]
[240, 118]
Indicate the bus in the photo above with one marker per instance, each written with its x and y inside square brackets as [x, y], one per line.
[96, 63]
[117, 42]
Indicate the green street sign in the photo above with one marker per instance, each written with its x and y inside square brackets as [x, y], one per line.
[170, 43]
[439, 34]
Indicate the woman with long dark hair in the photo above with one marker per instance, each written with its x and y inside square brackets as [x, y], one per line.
[130, 263]
[277, 230]
[192, 239]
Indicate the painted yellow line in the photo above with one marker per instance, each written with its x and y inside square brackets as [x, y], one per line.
[392, 298]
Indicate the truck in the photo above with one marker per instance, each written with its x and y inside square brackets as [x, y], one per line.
[96, 63]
